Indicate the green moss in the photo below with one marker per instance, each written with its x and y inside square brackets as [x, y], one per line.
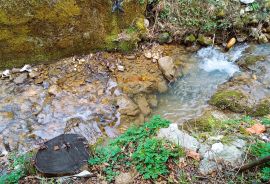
[205, 123]
[250, 60]
[190, 39]
[229, 99]
[164, 38]
[33, 31]
[204, 40]
[262, 109]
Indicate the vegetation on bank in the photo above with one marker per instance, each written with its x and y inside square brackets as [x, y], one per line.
[221, 19]
[20, 166]
[138, 148]
[154, 159]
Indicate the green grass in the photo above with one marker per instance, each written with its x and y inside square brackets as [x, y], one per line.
[139, 148]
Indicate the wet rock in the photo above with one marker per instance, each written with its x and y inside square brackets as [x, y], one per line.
[173, 134]
[54, 90]
[250, 60]
[167, 67]
[204, 40]
[143, 104]
[162, 86]
[152, 100]
[21, 78]
[127, 106]
[124, 178]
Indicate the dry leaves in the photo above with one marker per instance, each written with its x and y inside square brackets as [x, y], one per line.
[256, 129]
[194, 155]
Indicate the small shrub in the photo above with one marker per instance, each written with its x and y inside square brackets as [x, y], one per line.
[150, 158]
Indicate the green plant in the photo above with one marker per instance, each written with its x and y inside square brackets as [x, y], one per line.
[265, 121]
[254, 6]
[261, 149]
[136, 147]
[18, 166]
[150, 158]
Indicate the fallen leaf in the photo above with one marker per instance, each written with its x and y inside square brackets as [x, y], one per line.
[194, 155]
[256, 129]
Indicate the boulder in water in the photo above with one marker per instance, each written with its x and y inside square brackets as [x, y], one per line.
[167, 67]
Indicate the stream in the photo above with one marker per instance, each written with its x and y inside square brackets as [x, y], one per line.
[209, 67]
[75, 97]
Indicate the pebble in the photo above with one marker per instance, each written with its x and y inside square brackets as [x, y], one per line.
[120, 68]
[148, 55]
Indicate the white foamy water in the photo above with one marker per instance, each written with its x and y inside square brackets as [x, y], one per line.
[212, 59]
[188, 96]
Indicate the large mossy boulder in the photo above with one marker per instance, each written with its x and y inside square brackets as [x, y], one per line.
[33, 31]
[232, 100]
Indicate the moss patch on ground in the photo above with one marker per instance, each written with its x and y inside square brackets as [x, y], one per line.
[232, 100]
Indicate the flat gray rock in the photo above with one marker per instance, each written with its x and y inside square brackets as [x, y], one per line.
[173, 134]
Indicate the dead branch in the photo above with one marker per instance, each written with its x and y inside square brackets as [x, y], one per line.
[255, 163]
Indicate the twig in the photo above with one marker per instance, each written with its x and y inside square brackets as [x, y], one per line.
[255, 163]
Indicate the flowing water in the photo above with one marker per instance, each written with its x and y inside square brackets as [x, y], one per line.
[188, 97]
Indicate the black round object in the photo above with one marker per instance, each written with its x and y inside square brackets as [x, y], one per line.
[62, 155]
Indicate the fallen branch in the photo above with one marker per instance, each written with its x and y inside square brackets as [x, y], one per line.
[255, 163]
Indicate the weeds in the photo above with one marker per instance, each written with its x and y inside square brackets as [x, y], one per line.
[262, 149]
[137, 147]
[18, 166]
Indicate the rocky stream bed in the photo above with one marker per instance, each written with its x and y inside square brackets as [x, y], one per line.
[101, 95]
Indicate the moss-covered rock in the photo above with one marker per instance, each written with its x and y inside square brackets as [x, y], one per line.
[262, 108]
[164, 38]
[250, 60]
[33, 31]
[203, 40]
[232, 100]
[190, 39]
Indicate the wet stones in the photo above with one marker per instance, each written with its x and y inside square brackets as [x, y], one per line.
[21, 78]
[167, 67]
[143, 104]
[54, 90]
[127, 106]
